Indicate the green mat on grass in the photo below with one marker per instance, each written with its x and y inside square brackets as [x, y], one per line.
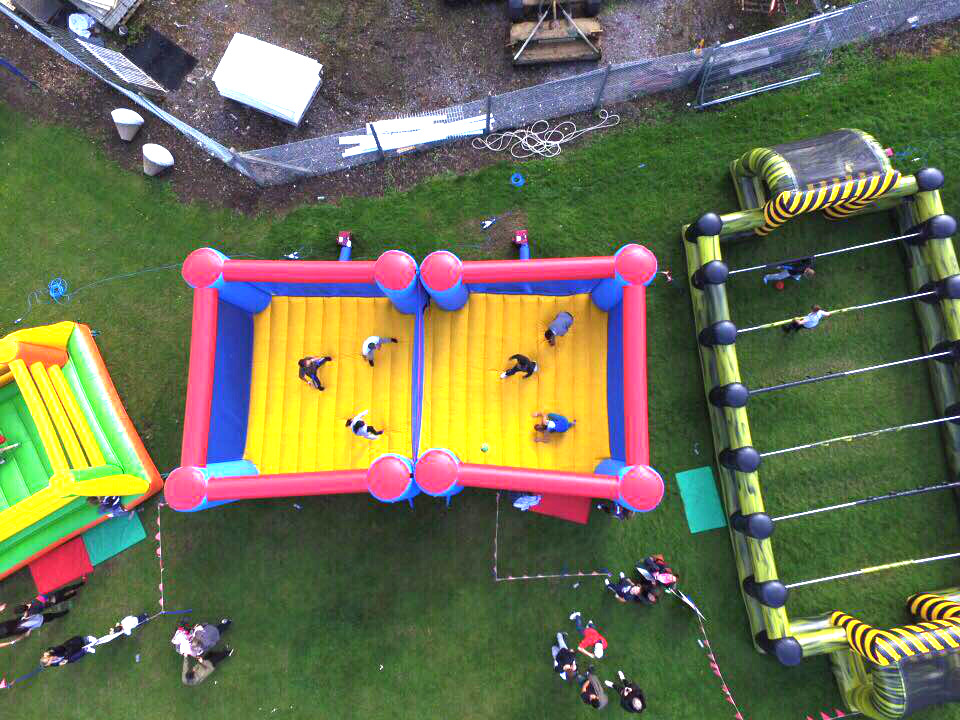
[113, 537]
[700, 500]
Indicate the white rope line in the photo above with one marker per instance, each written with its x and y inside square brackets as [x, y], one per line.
[508, 578]
[539, 138]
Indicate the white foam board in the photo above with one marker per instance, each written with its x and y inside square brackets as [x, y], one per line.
[271, 79]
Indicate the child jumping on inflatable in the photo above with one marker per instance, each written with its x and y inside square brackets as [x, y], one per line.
[559, 327]
[6, 447]
[522, 364]
[551, 423]
[361, 429]
[309, 366]
[374, 343]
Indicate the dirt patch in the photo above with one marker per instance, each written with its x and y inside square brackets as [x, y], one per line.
[493, 241]
[381, 59]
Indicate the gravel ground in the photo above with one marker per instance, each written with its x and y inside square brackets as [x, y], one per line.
[382, 59]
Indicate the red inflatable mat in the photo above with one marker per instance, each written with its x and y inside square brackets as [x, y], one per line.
[567, 507]
[59, 567]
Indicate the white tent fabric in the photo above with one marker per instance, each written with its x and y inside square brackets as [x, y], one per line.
[268, 78]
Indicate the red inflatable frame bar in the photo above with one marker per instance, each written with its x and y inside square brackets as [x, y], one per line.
[207, 270]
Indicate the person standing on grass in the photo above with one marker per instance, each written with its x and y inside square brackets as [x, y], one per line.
[655, 569]
[631, 696]
[73, 650]
[593, 643]
[47, 600]
[374, 343]
[550, 423]
[808, 321]
[126, 626]
[205, 636]
[309, 367]
[615, 510]
[559, 327]
[591, 691]
[521, 364]
[564, 659]
[628, 591]
[21, 628]
[204, 667]
[361, 429]
[797, 269]
[111, 506]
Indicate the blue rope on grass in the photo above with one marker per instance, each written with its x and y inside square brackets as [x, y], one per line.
[59, 292]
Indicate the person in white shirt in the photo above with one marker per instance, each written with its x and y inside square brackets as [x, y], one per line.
[359, 427]
[808, 321]
[373, 343]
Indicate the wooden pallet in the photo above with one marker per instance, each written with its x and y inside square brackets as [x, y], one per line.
[110, 19]
[555, 41]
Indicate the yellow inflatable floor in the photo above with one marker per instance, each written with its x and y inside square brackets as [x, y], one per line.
[295, 428]
[467, 405]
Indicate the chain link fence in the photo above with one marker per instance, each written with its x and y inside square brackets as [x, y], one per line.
[737, 69]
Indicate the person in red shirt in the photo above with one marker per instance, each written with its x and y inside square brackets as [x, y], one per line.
[593, 644]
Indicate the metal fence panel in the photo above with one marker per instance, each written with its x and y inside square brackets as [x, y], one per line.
[743, 67]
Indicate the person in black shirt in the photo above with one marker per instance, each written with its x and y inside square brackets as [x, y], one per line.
[73, 650]
[631, 696]
[522, 364]
[615, 510]
[47, 600]
[564, 659]
[630, 591]
[111, 506]
[309, 366]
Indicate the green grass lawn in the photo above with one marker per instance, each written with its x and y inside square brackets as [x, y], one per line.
[325, 595]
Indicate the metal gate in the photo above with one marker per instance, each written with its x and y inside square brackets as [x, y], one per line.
[774, 59]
